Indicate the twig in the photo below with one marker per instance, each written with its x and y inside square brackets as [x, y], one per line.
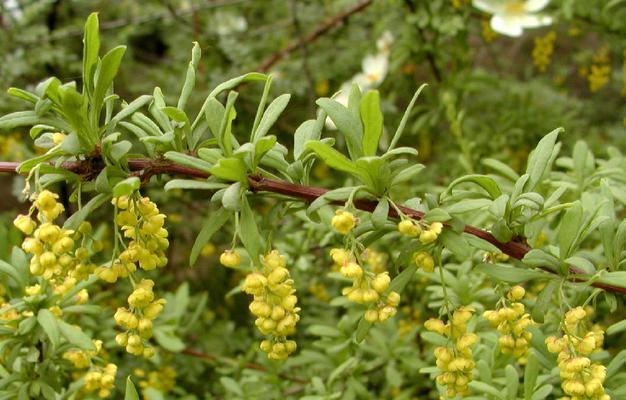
[305, 53]
[257, 367]
[149, 167]
[311, 37]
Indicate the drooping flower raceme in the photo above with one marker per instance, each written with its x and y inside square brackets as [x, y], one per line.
[511, 17]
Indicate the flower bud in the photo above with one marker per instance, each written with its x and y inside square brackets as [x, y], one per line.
[230, 258]
[25, 224]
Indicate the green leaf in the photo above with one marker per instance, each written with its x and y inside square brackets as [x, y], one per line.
[543, 392]
[614, 278]
[126, 187]
[231, 169]
[379, 216]
[48, 323]
[130, 109]
[211, 224]
[332, 157]
[188, 161]
[501, 168]
[190, 77]
[120, 149]
[531, 371]
[262, 146]
[249, 232]
[570, 225]
[308, 130]
[270, 116]
[224, 135]
[104, 77]
[512, 382]
[362, 330]
[543, 300]
[539, 160]
[231, 199]
[347, 124]
[230, 84]
[27, 165]
[167, 339]
[372, 119]
[131, 392]
[486, 388]
[11, 271]
[231, 386]
[487, 183]
[75, 335]
[324, 331]
[74, 221]
[504, 273]
[616, 327]
[91, 49]
[193, 184]
[405, 118]
[399, 282]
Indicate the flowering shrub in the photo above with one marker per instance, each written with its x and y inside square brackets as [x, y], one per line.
[325, 264]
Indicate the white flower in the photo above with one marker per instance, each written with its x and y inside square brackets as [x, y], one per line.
[383, 44]
[374, 70]
[13, 7]
[510, 17]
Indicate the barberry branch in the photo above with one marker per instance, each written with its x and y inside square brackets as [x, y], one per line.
[146, 167]
[249, 365]
[314, 35]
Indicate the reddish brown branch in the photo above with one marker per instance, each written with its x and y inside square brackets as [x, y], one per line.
[258, 367]
[149, 167]
[311, 37]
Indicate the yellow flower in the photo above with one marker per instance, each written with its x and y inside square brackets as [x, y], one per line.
[343, 221]
[230, 258]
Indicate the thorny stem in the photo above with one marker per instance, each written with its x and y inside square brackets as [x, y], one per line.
[311, 37]
[148, 167]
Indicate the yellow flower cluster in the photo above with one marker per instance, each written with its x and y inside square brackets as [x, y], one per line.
[274, 305]
[343, 221]
[424, 261]
[163, 379]
[600, 70]
[427, 233]
[101, 380]
[141, 222]
[137, 319]
[542, 52]
[512, 323]
[581, 379]
[367, 288]
[12, 147]
[55, 255]
[82, 358]
[455, 361]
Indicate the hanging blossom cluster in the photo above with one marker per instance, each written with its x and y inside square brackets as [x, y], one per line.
[581, 378]
[427, 234]
[374, 69]
[512, 322]
[511, 17]
[455, 360]
[142, 223]
[274, 305]
[542, 52]
[368, 287]
[62, 257]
